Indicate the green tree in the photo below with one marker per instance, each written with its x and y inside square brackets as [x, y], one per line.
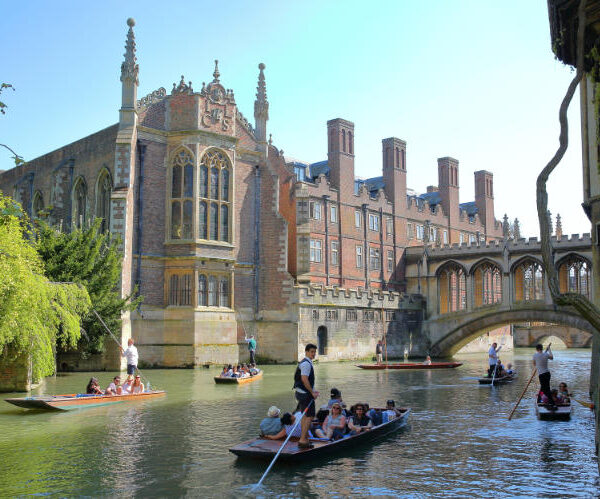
[93, 259]
[36, 315]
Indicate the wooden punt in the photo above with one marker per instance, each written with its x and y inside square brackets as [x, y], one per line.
[543, 413]
[503, 380]
[264, 449]
[79, 401]
[412, 365]
[238, 381]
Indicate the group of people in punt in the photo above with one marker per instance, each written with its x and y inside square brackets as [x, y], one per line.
[239, 371]
[495, 367]
[333, 421]
[132, 386]
[552, 398]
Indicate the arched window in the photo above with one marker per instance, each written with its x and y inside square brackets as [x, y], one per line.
[103, 191]
[452, 289]
[574, 276]
[212, 291]
[344, 140]
[529, 281]
[182, 196]
[38, 204]
[224, 292]
[350, 143]
[79, 203]
[215, 189]
[202, 290]
[487, 282]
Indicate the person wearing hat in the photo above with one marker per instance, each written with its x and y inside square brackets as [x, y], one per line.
[336, 398]
[271, 425]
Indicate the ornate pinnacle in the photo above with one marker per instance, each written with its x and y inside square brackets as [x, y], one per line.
[129, 67]
[516, 229]
[505, 227]
[216, 74]
[261, 106]
[559, 229]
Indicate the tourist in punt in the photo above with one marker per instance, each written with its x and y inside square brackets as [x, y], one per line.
[304, 383]
[290, 428]
[563, 393]
[93, 388]
[359, 422]
[493, 358]
[126, 388]
[230, 371]
[253, 370]
[224, 372]
[509, 370]
[379, 352]
[540, 362]
[138, 386]
[334, 424]
[499, 369]
[114, 388]
[427, 361]
[336, 398]
[390, 411]
[271, 425]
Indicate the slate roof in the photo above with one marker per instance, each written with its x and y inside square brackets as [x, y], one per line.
[470, 208]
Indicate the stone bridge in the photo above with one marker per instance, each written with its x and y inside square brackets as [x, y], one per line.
[470, 289]
[532, 334]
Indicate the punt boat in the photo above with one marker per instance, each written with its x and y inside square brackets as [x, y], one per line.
[264, 449]
[238, 381]
[502, 380]
[412, 365]
[79, 400]
[562, 412]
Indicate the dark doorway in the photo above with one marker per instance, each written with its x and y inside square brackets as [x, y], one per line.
[322, 340]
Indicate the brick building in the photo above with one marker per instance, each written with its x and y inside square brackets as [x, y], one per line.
[225, 237]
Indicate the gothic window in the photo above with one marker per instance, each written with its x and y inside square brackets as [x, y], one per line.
[202, 289]
[487, 282]
[38, 204]
[103, 201]
[79, 203]
[452, 289]
[224, 292]
[529, 281]
[180, 290]
[212, 291]
[215, 195]
[574, 276]
[182, 196]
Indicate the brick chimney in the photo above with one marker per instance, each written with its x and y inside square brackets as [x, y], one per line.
[484, 198]
[394, 170]
[340, 147]
[448, 188]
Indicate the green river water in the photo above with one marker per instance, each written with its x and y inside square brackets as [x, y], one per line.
[458, 442]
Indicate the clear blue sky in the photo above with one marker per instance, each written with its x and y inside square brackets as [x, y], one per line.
[475, 80]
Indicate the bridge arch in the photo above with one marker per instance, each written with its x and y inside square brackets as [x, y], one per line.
[447, 338]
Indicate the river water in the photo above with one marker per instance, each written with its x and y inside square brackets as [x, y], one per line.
[458, 442]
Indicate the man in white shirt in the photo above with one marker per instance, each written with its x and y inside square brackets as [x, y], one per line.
[540, 362]
[493, 358]
[132, 356]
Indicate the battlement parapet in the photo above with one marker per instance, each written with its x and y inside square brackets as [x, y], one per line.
[333, 296]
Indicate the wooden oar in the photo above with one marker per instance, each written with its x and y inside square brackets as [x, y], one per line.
[524, 390]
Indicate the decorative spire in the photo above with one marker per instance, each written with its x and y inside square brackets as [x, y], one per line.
[216, 74]
[129, 67]
[505, 227]
[559, 230]
[516, 229]
[261, 106]
[270, 139]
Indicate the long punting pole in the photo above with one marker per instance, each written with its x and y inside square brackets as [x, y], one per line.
[283, 445]
[525, 389]
[494, 376]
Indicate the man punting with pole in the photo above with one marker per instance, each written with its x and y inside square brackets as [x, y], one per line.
[540, 361]
[304, 382]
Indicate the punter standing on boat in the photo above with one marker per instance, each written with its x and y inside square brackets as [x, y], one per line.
[540, 362]
[132, 356]
[304, 383]
[251, 348]
[493, 358]
[379, 352]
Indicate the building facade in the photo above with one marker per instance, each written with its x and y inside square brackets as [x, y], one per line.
[226, 237]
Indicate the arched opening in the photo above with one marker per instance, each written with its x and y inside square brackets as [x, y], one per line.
[529, 280]
[38, 204]
[103, 190]
[322, 340]
[487, 284]
[79, 203]
[557, 342]
[452, 289]
[574, 274]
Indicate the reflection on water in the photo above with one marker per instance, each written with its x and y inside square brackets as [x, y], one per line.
[458, 442]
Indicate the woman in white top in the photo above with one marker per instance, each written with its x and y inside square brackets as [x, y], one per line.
[138, 386]
[126, 388]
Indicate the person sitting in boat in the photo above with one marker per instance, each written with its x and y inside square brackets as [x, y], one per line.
[138, 386]
[289, 427]
[563, 394]
[126, 387]
[427, 361]
[93, 387]
[390, 411]
[253, 370]
[336, 398]
[224, 372]
[271, 425]
[509, 370]
[114, 388]
[359, 422]
[499, 369]
[334, 425]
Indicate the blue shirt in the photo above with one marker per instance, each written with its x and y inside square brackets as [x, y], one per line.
[270, 426]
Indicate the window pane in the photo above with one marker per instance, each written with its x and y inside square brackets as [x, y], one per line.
[188, 208]
[202, 221]
[225, 184]
[224, 223]
[188, 181]
[212, 291]
[202, 290]
[223, 293]
[174, 291]
[176, 220]
[176, 189]
[214, 226]
[214, 183]
[203, 181]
